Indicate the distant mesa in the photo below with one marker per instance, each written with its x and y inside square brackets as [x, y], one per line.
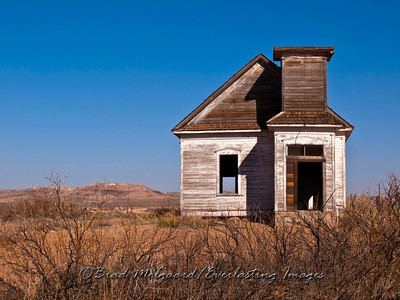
[109, 194]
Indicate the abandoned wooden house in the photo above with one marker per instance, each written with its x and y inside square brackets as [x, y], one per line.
[266, 140]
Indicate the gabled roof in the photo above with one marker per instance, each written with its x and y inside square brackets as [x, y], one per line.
[251, 100]
[328, 117]
[183, 125]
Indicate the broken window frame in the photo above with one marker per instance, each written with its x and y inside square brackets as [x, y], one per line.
[297, 150]
[220, 178]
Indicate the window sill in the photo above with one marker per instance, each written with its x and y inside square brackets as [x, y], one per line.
[307, 158]
[229, 195]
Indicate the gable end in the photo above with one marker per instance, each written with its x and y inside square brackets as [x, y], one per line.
[244, 102]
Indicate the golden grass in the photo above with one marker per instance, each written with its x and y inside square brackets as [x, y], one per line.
[44, 247]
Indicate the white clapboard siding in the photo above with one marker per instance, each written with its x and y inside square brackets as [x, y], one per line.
[333, 165]
[199, 178]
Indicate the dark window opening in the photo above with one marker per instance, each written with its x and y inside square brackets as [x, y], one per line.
[296, 150]
[305, 150]
[309, 186]
[228, 174]
[314, 151]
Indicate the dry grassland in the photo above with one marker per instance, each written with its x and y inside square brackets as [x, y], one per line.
[54, 249]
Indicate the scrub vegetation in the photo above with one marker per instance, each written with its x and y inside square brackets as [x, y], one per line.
[51, 248]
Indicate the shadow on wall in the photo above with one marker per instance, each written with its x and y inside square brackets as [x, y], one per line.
[267, 94]
[258, 166]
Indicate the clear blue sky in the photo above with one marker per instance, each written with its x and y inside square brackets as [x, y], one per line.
[91, 89]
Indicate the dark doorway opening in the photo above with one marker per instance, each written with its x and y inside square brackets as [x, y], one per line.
[309, 186]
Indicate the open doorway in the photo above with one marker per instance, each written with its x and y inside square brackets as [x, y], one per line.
[309, 186]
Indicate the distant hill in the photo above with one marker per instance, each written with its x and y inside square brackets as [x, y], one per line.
[109, 194]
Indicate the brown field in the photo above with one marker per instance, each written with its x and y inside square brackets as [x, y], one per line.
[47, 240]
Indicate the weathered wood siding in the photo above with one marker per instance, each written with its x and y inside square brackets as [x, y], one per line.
[340, 171]
[199, 174]
[304, 84]
[248, 103]
[333, 166]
